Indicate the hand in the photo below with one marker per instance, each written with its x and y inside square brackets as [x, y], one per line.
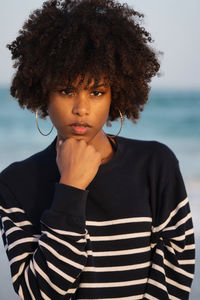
[77, 162]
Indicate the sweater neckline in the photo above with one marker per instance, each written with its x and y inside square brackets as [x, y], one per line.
[117, 149]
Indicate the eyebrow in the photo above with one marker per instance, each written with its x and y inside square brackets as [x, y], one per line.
[90, 87]
[99, 85]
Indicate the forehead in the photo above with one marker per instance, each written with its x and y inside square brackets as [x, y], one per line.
[86, 82]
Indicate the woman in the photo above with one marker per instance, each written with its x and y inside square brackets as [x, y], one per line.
[92, 216]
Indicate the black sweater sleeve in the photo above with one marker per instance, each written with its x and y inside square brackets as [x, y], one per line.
[48, 265]
[172, 268]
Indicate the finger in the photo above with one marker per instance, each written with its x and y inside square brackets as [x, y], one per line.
[60, 142]
[59, 145]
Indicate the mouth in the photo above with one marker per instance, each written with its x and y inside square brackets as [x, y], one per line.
[78, 128]
[80, 124]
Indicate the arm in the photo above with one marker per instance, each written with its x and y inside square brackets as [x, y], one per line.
[47, 266]
[173, 248]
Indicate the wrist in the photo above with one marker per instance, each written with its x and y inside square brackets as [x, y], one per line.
[66, 181]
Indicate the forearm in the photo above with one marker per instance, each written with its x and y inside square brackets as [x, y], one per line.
[51, 263]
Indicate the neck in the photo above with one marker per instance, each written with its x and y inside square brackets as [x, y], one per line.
[102, 144]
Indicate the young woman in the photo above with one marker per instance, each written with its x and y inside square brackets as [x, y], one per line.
[92, 216]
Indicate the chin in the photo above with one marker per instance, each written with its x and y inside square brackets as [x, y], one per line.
[78, 137]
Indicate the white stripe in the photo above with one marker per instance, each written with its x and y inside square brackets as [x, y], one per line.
[186, 261]
[120, 236]
[170, 297]
[182, 237]
[137, 297]
[4, 237]
[176, 284]
[173, 297]
[189, 231]
[74, 249]
[180, 222]
[158, 268]
[61, 257]
[19, 257]
[13, 229]
[119, 252]
[187, 247]
[171, 266]
[118, 221]
[64, 232]
[160, 252]
[32, 268]
[44, 275]
[152, 245]
[82, 241]
[21, 269]
[21, 241]
[20, 293]
[61, 273]
[150, 297]
[12, 210]
[172, 214]
[44, 296]
[27, 283]
[177, 269]
[117, 268]
[19, 224]
[170, 249]
[157, 284]
[112, 284]
[71, 291]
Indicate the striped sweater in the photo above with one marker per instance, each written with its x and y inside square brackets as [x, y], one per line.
[129, 235]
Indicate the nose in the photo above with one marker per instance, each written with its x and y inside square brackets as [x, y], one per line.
[81, 105]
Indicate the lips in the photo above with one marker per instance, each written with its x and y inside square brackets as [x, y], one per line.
[80, 128]
[80, 125]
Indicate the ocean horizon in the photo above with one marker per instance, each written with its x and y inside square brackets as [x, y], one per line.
[170, 116]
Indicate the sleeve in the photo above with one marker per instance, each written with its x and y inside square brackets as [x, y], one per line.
[46, 266]
[173, 248]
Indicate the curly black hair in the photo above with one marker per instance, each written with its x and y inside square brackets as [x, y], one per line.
[68, 38]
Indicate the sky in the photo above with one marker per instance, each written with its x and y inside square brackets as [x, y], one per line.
[174, 26]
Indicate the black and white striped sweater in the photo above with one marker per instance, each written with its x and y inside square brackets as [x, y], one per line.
[129, 235]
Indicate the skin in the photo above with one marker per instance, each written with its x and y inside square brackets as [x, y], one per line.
[84, 152]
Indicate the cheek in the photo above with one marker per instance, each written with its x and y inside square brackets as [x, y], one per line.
[104, 112]
[56, 112]
[52, 111]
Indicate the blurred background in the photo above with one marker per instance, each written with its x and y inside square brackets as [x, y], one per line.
[171, 116]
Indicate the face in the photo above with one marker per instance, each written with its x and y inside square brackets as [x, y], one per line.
[67, 109]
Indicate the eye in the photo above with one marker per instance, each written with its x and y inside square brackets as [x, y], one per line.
[66, 92]
[98, 92]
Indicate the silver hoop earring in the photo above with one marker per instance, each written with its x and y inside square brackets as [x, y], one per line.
[122, 120]
[36, 119]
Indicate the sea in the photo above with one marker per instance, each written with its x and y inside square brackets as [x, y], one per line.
[170, 116]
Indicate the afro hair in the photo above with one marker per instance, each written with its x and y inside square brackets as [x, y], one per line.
[65, 39]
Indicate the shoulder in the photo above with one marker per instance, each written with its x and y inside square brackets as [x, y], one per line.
[29, 183]
[22, 173]
[151, 150]
[19, 169]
